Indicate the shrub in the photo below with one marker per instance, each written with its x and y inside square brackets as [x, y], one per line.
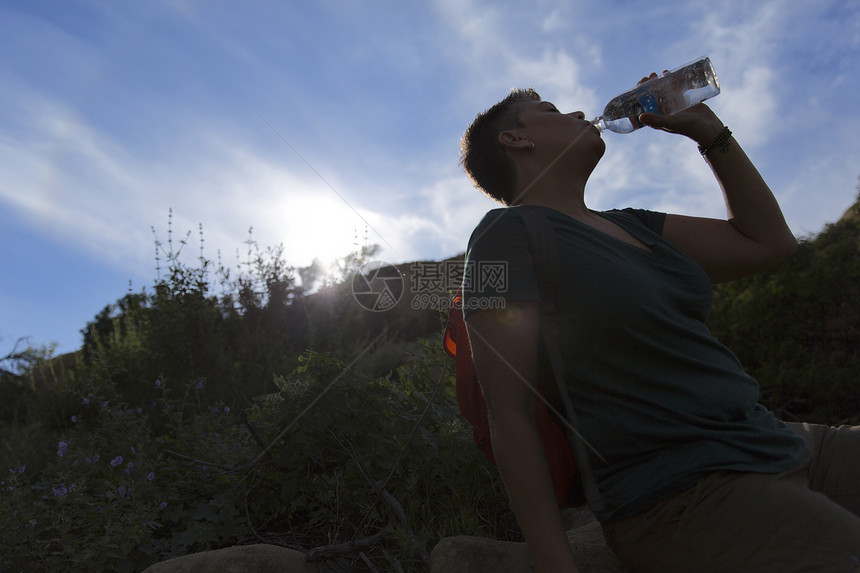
[795, 328]
[333, 455]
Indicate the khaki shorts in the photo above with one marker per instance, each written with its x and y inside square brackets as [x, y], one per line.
[802, 520]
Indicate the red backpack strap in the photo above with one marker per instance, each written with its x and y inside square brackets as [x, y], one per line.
[454, 324]
[470, 400]
[470, 397]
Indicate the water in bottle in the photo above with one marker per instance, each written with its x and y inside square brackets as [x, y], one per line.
[667, 94]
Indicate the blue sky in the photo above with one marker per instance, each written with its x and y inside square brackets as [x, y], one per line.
[316, 122]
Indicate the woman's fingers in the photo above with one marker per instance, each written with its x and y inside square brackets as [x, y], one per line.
[646, 78]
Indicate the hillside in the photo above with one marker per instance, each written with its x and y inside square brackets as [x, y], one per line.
[796, 328]
[195, 418]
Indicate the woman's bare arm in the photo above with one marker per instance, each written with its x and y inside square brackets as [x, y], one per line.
[504, 346]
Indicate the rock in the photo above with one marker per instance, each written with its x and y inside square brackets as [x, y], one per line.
[239, 559]
[460, 554]
[466, 554]
[852, 213]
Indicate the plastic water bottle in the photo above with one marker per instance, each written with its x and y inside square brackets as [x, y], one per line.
[672, 92]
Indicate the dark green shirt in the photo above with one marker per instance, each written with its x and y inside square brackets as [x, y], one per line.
[656, 394]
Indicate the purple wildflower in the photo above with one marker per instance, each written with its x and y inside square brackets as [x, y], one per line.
[60, 490]
[162, 505]
[74, 419]
[116, 461]
[150, 476]
[158, 382]
[121, 490]
[85, 402]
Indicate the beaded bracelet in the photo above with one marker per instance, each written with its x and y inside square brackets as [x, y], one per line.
[721, 140]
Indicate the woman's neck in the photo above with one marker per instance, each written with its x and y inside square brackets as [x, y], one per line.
[568, 199]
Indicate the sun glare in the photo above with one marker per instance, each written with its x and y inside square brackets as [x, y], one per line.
[321, 228]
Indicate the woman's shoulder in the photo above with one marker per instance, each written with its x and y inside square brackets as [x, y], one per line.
[653, 220]
[497, 222]
[499, 214]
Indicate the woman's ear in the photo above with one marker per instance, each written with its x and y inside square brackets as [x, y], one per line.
[515, 140]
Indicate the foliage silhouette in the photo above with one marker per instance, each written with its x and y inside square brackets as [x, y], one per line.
[796, 328]
[261, 403]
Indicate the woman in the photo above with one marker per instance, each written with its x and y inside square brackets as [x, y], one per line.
[694, 474]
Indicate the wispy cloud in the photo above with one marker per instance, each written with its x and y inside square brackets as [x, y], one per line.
[81, 185]
[378, 116]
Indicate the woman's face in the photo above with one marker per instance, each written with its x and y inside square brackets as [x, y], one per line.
[555, 133]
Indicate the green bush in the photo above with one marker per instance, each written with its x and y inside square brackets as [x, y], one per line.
[194, 420]
[333, 455]
[83, 498]
[796, 328]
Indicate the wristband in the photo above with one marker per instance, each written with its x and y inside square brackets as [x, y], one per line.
[721, 140]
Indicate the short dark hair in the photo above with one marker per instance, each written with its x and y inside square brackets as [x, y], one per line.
[483, 157]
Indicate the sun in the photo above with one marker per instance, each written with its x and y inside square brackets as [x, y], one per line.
[322, 228]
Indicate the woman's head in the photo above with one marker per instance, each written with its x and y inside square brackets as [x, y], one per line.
[481, 154]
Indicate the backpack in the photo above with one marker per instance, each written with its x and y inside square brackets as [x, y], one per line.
[573, 483]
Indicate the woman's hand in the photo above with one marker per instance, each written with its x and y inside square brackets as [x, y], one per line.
[754, 235]
[698, 122]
